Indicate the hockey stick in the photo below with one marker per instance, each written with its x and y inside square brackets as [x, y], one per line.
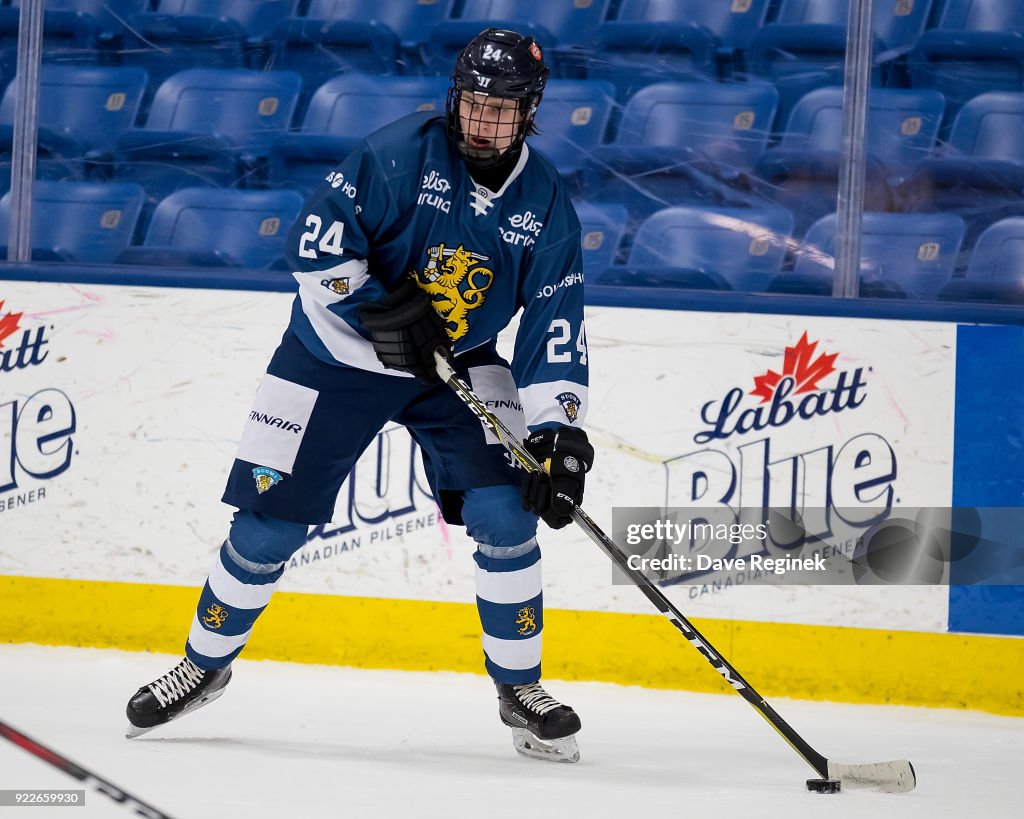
[84, 776]
[896, 776]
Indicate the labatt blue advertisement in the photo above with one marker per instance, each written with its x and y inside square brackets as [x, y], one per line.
[37, 417]
[121, 409]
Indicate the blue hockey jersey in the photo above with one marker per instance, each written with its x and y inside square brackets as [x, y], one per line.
[403, 204]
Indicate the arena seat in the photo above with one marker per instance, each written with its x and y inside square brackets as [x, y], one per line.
[80, 32]
[82, 109]
[321, 49]
[981, 167]
[572, 121]
[727, 123]
[903, 255]
[710, 248]
[681, 143]
[437, 53]
[995, 272]
[207, 126]
[603, 226]
[106, 21]
[89, 222]
[975, 47]
[802, 172]
[218, 228]
[410, 22]
[565, 28]
[343, 111]
[651, 41]
[182, 34]
[667, 40]
[804, 47]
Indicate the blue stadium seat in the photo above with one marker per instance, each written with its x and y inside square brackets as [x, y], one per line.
[664, 40]
[182, 34]
[995, 272]
[572, 121]
[901, 128]
[104, 20]
[709, 248]
[982, 166]
[207, 126]
[566, 29]
[976, 46]
[802, 173]
[651, 41]
[79, 221]
[219, 228]
[731, 25]
[437, 53]
[725, 122]
[82, 109]
[603, 226]
[254, 19]
[677, 142]
[410, 22]
[83, 32]
[804, 47]
[903, 255]
[248, 109]
[342, 112]
[321, 49]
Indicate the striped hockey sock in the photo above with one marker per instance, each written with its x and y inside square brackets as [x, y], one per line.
[511, 607]
[235, 594]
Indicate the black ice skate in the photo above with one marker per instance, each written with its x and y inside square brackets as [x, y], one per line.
[542, 728]
[181, 690]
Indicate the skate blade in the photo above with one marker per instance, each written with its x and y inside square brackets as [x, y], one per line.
[550, 750]
[134, 731]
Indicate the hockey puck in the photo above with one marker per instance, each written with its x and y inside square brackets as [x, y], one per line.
[824, 785]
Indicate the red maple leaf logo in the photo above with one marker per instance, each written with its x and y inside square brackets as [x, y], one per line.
[8, 324]
[800, 365]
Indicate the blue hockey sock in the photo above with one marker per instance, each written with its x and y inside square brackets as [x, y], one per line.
[508, 582]
[243, 579]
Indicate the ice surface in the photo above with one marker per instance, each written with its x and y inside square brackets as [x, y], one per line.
[316, 741]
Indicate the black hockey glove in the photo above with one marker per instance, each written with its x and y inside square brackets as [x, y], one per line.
[405, 329]
[553, 495]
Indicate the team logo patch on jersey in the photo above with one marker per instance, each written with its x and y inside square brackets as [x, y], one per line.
[526, 619]
[457, 281]
[338, 286]
[265, 478]
[570, 402]
[215, 616]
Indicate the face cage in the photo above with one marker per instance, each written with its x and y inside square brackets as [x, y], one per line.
[489, 157]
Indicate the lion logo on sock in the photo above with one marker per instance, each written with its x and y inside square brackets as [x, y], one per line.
[215, 616]
[526, 619]
[457, 281]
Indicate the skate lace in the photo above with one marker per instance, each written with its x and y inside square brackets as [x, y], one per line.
[535, 698]
[177, 682]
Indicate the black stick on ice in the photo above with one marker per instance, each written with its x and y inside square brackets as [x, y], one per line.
[83, 775]
[896, 776]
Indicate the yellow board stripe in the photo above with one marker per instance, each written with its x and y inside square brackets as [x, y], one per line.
[780, 660]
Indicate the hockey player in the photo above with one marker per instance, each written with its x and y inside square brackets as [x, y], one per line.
[434, 233]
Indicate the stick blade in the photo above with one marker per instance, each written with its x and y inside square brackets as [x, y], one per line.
[896, 776]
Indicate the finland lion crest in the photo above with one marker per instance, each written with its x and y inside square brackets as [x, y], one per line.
[457, 281]
[570, 402]
[265, 478]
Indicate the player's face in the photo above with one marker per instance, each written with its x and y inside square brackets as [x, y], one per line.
[488, 123]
